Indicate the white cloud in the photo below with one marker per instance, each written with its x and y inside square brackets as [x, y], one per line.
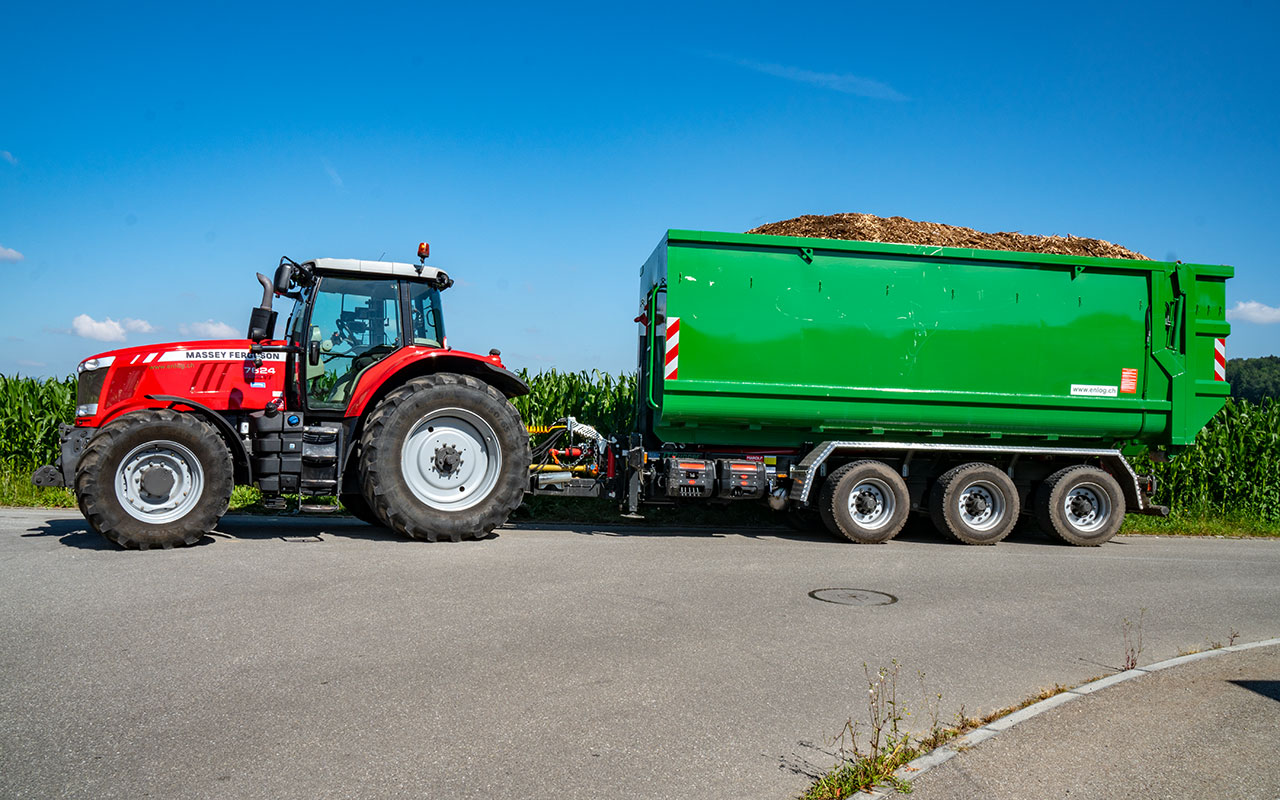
[210, 329]
[7, 156]
[835, 81]
[136, 325]
[1253, 311]
[9, 254]
[108, 330]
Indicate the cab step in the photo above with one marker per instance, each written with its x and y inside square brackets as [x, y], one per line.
[316, 508]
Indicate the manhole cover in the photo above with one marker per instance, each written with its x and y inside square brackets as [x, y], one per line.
[853, 597]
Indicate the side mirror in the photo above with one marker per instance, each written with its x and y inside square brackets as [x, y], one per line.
[284, 276]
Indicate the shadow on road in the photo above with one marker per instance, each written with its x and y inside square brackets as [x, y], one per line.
[919, 530]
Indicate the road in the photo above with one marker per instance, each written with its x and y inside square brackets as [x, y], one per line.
[323, 658]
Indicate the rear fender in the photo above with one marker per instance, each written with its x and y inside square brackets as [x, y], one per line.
[413, 362]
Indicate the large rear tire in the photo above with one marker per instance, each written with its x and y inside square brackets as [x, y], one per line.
[865, 502]
[1080, 505]
[355, 505]
[444, 456]
[154, 479]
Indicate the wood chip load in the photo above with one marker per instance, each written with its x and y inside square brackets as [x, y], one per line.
[900, 230]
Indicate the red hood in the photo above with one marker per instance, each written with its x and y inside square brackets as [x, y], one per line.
[151, 353]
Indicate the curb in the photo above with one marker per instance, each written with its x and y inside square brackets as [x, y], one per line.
[914, 769]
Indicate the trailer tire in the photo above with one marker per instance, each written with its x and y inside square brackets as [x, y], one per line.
[865, 502]
[154, 479]
[1080, 505]
[436, 434]
[358, 507]
[974, 503]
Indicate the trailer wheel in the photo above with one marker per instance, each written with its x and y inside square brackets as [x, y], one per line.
[444, 456]
[1080, 505]
[974, 503]
[154, 479]
[358, 507]
[865, 502]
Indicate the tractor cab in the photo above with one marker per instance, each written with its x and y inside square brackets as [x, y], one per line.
[347, 316]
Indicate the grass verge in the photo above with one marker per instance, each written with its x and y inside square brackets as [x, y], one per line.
[1228, 526]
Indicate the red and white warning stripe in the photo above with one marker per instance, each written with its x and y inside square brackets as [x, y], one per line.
[1219, 359]
[673, 347]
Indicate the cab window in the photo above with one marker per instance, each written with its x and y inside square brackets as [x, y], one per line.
[424, 309]
[356, 324]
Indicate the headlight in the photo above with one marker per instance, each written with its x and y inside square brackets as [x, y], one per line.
[95, 363]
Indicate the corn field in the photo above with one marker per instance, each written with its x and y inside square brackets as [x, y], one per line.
[30, 411]
[606, 402]
[1233, 470]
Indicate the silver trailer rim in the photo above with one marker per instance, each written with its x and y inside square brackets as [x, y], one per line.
[451, 459]
[1087, 507]
[981, 505]
[872, 503]
[159, 482]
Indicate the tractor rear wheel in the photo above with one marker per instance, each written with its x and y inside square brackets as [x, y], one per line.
[444, 456]
[358, 507]
[154, 479]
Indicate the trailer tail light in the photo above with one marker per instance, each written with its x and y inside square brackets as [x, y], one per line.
[742, 479]
[689, 478]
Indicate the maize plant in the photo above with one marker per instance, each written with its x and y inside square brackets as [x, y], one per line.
[30, 412]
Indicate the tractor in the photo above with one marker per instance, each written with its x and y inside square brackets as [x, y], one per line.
[360, 397]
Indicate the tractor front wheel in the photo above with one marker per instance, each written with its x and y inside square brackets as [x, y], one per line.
[154, 479]
[444, 456]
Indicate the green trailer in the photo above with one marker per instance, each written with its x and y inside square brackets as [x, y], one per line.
[855, 382]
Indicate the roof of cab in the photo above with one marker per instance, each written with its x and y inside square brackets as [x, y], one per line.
[385, 269]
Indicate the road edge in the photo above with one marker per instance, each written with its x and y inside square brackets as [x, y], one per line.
[910, 771]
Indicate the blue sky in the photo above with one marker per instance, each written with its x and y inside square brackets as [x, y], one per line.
[153, 158]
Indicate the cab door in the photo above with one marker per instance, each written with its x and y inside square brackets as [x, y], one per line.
[354, 323]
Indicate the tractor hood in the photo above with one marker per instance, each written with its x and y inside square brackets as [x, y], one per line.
[219, 375]
[177, 352]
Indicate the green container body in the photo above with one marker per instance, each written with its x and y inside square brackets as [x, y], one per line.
[776, 341]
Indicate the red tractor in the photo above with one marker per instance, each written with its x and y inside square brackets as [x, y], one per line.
[361, 397]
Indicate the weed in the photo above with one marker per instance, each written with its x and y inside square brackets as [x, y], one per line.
[1133, 640]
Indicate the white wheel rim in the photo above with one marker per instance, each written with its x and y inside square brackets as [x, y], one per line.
[1087, 507]
[451, 459]
[981, 505]
[871, 504]
[159, 482]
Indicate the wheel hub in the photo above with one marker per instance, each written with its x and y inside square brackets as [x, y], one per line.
[1081, 506]
[865, 503]
[156, 480]
[447, 459]
[976, 504]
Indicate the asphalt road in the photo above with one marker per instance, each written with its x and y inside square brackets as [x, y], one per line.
[322, 658]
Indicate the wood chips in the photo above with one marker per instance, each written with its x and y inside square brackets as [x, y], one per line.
[900, 230]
